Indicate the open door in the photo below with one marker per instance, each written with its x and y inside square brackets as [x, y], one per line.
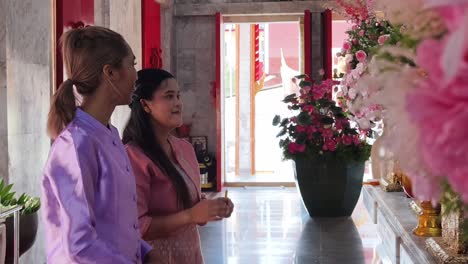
[67, 14]
[218, 97]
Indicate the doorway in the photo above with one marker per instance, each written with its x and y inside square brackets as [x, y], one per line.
[259, 59]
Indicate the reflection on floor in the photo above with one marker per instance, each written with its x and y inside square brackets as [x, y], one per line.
[271, 226]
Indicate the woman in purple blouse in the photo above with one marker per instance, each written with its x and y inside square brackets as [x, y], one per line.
[90, 203]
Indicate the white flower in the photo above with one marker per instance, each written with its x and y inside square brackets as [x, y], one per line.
[352, 93]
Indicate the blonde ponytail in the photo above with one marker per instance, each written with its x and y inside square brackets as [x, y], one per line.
[62, 109]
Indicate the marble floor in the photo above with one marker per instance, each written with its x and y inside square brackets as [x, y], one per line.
[270, 225]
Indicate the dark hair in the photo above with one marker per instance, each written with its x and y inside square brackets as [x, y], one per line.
[140, 132]
[85, 52]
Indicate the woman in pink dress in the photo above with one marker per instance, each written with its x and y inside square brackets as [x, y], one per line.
[170, 204]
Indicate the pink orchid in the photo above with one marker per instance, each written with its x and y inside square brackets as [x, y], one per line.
[439, 110]
[452, 11]
[361, 55]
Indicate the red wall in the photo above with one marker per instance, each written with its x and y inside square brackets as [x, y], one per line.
[151, 29]
[68, 14]
[285, 36]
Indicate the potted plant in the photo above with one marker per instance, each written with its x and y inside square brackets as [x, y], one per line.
[28, 219]
[328, 151]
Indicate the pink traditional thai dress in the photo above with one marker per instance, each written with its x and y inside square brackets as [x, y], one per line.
[157, 197]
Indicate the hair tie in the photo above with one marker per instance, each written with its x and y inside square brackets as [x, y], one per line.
[69, 81]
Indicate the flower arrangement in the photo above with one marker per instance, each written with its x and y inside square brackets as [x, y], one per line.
[421, 83]
[367, 34]
[320, 129]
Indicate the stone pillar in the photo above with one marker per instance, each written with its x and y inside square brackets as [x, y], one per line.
[101, 13]
[167, 33]
[194, 54]
[317, 49]
[3, 95]
[244, 101]
[28, 60]
[125, 18]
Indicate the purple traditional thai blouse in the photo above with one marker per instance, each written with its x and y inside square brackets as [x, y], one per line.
[89, 197]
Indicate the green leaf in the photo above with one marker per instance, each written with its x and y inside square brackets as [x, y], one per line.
[23, 198]
[289, 98]
[282, 132]
[302, 76]
[303, 119]
[305, 83]
[276, 120]
[284, 122]
[328, 120]
[7, 199]
[295, 107]
[6, 190]
[301, 139]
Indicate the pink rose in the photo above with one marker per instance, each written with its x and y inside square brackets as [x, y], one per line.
[355, 41]
[346, 46]
[327, 133]
[382, 39]
[321, 72]
[361, 55]
[295, 148]
[347, 140]
[329, 145]
[305, 90]
[301, 129]
[308, 108]
[361, 33]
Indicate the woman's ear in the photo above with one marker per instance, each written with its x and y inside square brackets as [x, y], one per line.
[145, 106]
[110, 72]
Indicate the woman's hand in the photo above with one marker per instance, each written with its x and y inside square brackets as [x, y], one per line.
[230, 207]
[208, 210]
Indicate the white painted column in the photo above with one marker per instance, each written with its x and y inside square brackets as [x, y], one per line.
[244, 101]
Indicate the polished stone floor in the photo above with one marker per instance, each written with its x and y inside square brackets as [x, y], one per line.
[271, 226]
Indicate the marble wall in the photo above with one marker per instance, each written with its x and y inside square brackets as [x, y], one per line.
[3, 95]
[102, 13]
[194, 53]
[125, 18]
[28, 82]
[167, 36]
